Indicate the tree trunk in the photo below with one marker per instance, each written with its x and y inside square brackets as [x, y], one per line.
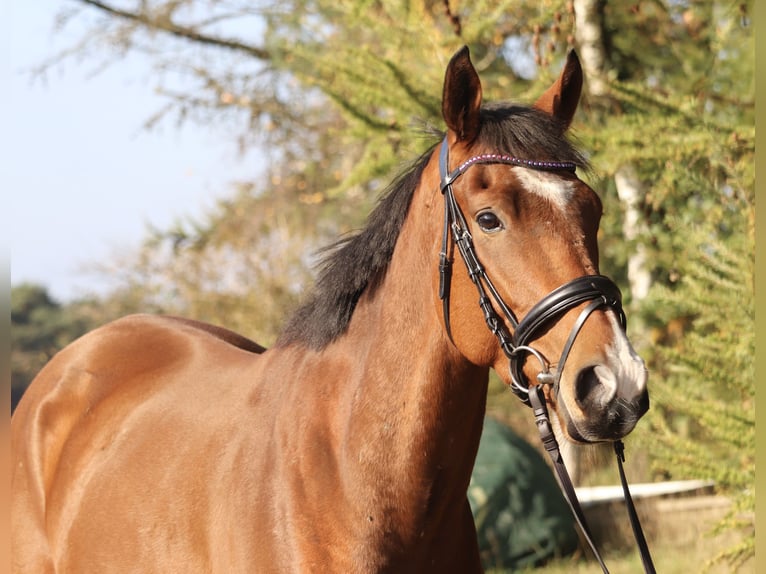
[631, 192]
[590, 36]
[589, 33]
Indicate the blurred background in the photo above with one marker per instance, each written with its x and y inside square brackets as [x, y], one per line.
[192, 156]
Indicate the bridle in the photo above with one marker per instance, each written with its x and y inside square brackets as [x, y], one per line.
[596, 290]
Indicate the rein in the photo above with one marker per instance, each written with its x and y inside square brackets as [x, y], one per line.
[598, 290]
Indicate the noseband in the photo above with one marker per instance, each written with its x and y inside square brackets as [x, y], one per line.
[596, 290]
[599, 290]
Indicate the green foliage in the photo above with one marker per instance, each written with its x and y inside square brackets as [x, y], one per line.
[703, 422]
[690, 136]
[339, 98]
[681, 113]
[382, 63]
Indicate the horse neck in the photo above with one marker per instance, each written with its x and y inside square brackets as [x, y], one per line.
[417, 405]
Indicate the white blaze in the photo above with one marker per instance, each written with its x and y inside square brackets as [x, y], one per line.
[545, 184]
[628, 370]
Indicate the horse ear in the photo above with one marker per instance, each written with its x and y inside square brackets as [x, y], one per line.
[461, 98]
[561, 99]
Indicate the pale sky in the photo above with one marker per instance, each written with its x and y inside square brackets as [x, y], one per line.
[82, 176]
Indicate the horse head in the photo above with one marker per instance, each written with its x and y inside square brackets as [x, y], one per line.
[526, 227]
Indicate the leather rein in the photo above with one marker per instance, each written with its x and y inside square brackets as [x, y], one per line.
[596, 290]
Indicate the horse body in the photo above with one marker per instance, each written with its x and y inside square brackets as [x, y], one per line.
[155, 444]
[336, 460]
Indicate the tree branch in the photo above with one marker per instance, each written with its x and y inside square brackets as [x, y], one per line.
[178, 31]
[454, 20]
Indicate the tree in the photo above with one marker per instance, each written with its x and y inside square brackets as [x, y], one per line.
[705, 426]
[680, 152]
[327, 90]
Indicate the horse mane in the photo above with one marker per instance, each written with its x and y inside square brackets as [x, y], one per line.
[359, 261]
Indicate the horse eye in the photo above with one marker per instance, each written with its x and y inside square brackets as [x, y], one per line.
[488, 221]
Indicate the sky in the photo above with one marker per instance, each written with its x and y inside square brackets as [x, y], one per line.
[82, 176]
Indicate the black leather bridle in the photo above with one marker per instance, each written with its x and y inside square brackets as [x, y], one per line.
[599, 290]
[596, 290]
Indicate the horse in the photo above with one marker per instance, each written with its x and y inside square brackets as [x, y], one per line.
[160, 444]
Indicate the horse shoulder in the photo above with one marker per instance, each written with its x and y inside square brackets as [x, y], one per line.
[133, 356]
[124, 349]
[113, 380]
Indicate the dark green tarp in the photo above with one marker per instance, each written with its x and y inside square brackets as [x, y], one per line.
[522, 518]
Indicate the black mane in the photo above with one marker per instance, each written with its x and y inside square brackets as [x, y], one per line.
[359, 262]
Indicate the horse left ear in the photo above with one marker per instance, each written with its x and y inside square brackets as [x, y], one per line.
[461, 98]
[561, 99]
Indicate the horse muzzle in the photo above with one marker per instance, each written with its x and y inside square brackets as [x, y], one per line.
[606, 403]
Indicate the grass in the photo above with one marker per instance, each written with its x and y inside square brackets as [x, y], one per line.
[669, 558]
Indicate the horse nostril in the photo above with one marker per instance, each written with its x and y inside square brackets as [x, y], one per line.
[587, 385]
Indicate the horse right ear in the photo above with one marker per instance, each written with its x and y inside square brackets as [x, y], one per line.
[461, 98]
[561, 99]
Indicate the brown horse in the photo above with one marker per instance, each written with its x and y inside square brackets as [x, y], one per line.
[156, 444]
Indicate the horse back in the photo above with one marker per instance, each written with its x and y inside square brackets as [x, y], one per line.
[141, 387]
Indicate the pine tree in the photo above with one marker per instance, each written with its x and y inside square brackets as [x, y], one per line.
[704, 425]
[681, 114]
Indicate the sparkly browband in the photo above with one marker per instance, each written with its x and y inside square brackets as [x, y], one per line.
[529, 163]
